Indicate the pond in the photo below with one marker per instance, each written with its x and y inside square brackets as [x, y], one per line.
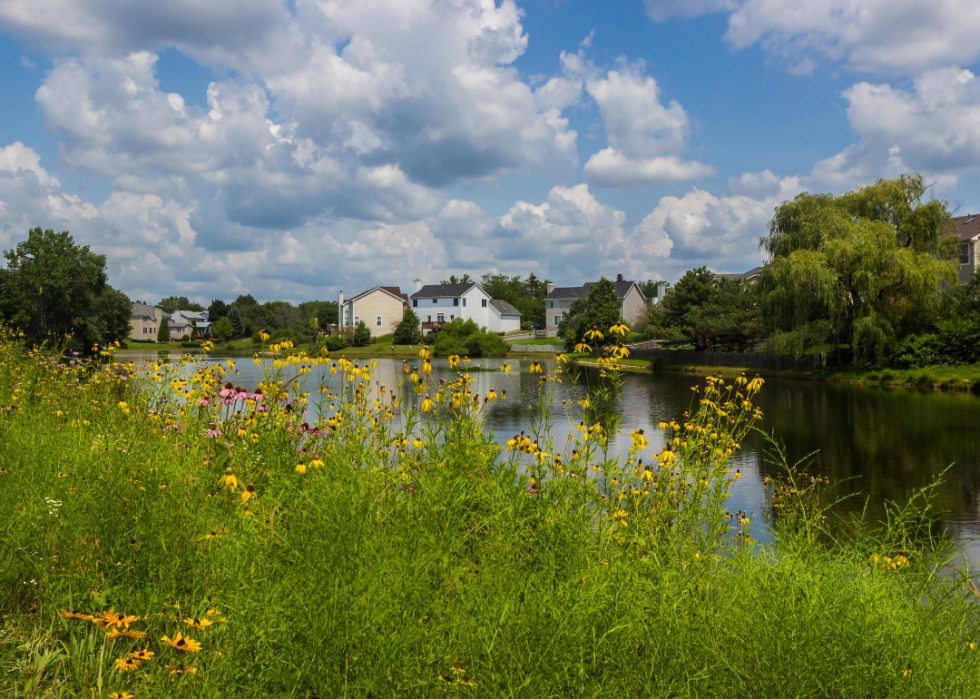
[880, 444]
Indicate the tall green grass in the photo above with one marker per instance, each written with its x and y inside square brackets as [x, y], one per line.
[438, 569]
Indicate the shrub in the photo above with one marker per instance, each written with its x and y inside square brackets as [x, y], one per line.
[431, 338]
[362, 335]
[465, 337]
[917, 351]
[334, 343]
[409, 330]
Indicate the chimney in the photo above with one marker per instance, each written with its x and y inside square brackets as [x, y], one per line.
[418, 285]
[549, 288]
[340, 309]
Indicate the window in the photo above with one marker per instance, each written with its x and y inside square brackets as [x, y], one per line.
[428, 319]
[377, 321]
[452, 317]
[440, 318]
[559, 319]
[964, 253]
[357, 319]
[455, 302]
[484, 304]
[433, 300]
[415, 303]
[464, 303]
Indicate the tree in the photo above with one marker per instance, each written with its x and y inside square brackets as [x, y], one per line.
[327, 314]
[408, 331]
[52, 288]
[163, 334]
[245, 301]
[217, 310]
[600, 310]
[173, 303]
[284, 314]
[453, 279]
[730, 318]
[691, 292]
[362, 335]
[237, 323]
[856, 272]
[652, 289]
[223, 329]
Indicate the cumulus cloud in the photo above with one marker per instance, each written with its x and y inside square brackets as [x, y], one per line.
[867, 35]
[932, 127]
[645, 135]
[720, 231]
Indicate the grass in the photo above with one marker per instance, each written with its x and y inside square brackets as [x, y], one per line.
[557, 341]
[389, 552]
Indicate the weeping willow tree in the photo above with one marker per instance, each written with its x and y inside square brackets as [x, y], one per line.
[859, 270]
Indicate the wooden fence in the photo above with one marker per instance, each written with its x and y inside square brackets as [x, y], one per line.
[748, 360]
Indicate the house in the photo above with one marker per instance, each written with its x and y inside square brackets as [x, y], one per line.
[144, 322]
[193, 324]
[559, 300]
[381, 309]
[750, 276]
[967, 235]
[438, 304]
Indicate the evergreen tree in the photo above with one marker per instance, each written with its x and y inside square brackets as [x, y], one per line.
[237, 322]
[163, 334]
[217, 310]
[409, 330]
[600, 310]
[362, 335]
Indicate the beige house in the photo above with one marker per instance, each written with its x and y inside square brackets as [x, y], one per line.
[144, 322]
[381, 309]
[558, 302]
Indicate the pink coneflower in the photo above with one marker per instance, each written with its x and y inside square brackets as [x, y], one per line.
[203, 401]
[258, 396]
[242, 395]
[213, 432]
[227, 391]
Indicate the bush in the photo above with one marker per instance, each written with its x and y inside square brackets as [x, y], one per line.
[334, 343]
[917, 351]
[956, 341]
[409, 330]
[431, 338]
[465, 337]
[362, 335]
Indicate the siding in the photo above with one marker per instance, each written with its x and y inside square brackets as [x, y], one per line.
[368, 308]
[634, 306]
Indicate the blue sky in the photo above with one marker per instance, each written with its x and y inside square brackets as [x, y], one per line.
[291, 149]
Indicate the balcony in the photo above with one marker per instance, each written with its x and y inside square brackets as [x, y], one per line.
[432, 325]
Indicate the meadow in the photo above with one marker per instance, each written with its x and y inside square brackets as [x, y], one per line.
[170, 533]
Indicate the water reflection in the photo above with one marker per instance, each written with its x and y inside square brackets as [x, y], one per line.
[882, 443]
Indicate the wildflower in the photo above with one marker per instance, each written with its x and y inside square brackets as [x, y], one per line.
[316, 463]
[177, 670]
[560, 358]
[181, 642]
[125, 633]
[453, 360]
[127, 664]
[120, 695]
[593, 334]
[640, 442]
[198, 623]
[145, 654]
[424, 353]
[536, 367]
[228, 481]
[491, 395]
[122, 405]
[581, 347]
[248, 493]
[103, 620]
[503, 395]
[427, 404]
[619, 328]
[301, 469]
[65, 614]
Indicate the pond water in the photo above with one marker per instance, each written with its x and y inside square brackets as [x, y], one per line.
[881, 444]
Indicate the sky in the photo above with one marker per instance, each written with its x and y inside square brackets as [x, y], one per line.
[293, 148]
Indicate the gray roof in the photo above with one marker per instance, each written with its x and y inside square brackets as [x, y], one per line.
[751, 274]
[432, 291]
[581, 292]
[505, 308]
[141, 309]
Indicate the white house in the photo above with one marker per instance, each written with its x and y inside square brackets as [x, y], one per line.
[437, 304]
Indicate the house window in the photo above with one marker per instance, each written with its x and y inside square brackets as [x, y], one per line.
[377, 321]
[428, 319]
[415, 303]
[464, 303]
[357, 319]
[455, 302]
[559, 319]
[440, 318]
[484, 304]
[964, 253]
[452, 317]
[433, 300]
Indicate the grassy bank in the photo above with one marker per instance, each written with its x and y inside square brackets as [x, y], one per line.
[390, 548]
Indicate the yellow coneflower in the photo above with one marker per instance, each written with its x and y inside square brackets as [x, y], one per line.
[228, 480]
[145, 654]
[316, 463]
[121, 695]
[503, 395]
[536, 367]
[424, 353]
[198, 623]
[581, 347]
[491, 395]
[176, 670]
[593, 334]
[619, 328]
[505, 368]
[127, 664]
[248, 493]
[453, 360]
[427, 404]
[104, 620]
[125, 633]
[181, 642]
[65, 614]
[301, 469]
[560, 358]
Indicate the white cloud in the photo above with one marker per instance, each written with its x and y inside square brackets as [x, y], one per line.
[722, 232]
[645, 136]
[932, 127]
[903, 36]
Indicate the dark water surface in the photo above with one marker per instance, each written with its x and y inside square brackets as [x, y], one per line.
[883, 443]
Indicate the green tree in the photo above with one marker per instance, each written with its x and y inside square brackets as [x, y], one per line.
[453, 279]
[362, 335]
[52, 288]
[856, 271]
[692, 292]
[163, 334]
[652, 289]
[223, 329]
[409, 330]
[173, 303]
[730, 319]
[237, 322]
[600, 309]
[217, 310]
[245, 301]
